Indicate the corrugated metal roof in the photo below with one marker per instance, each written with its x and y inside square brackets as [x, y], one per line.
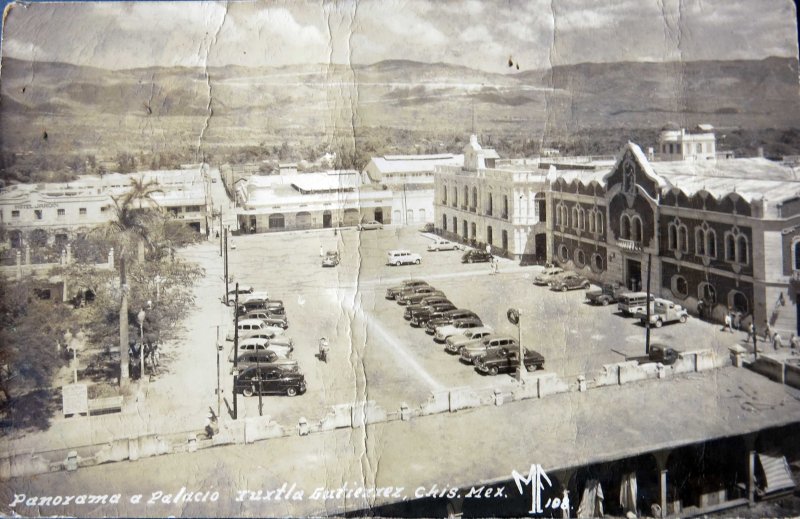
[414, 163]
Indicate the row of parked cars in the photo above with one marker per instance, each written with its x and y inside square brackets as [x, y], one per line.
[263, 362]
[460, 329]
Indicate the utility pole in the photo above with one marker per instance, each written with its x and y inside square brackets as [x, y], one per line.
[647, 302]
[219, 392]
[226, 272]
[220, 233]
[235, 344]
[521, 366]
[124, 375]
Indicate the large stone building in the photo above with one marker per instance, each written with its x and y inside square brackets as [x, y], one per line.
[722, 231]
[58, 212]
[309, 201]
[411, 180]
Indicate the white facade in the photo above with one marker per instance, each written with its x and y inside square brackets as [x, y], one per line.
[679, 144]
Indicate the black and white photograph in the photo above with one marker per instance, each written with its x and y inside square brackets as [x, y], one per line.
[419, 258]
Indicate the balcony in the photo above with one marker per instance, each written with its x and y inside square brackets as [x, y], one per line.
[629, 245]
[464, 207]
[504, 216]
[473, 209]
[489, 212]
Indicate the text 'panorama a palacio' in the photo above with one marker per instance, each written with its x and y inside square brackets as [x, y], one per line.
[714, 228]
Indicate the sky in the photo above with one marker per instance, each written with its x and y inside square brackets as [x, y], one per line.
[479, 34]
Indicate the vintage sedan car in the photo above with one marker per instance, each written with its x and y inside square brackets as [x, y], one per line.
[448, 318]
[402, 257]
[403, 297]
[663, 312]
[476, 256]
[458, 326]
[507, 360]
[470, 337]
[606, 294]
[270, 319]
[423, 304]
[487, 345]
[547, 276]
[371, 225]
[231, 297]
[421, 317]
[392, 292]
[261, 358]
[440, 245]
[269, 380]
[663, 354]
[569, 281]
[246, 345]
[331, 259]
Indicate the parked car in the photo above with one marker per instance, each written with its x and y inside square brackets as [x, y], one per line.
[246, 326]
[487, 345]
[261, 358]
[416, 298]
[447, 318]
[275, 307]
[266, 379]
[402, 257]
[428, 227]
[606, 294]
[270, 319]
[246, 345]
[476, 256]
[456, 328]
[470, 337]
[439, 245]
[331, 259]
[424, 304]
[254, 296]
[392, 292]
[424, 290]
[371, 225]
[663, 312]
[569, 281]
[268, 334]
[231, 297]
[421, 317]
[507, 360]
[547, 276]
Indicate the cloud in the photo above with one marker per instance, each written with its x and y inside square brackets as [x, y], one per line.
[22, 50]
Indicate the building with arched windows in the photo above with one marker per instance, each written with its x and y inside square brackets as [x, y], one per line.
[298, 201]
[724, 232]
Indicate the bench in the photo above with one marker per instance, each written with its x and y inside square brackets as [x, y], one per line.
[111, 404]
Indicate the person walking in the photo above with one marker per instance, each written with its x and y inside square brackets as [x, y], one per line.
[794, 342]
[321, 254]
[777, 341]
[751, 331]
[767, 331]
[727, 323]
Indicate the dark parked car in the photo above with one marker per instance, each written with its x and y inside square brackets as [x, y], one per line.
[331, 259]
[448, 318]
[261, 358]
[428, 227]
[269, 379]
[476, 256]
[273, 306]
[663, 354]
[507, 360]
[488, 344]
[402, 297]
[392, 292]
[424, 304]
[414, 298]
[422, 316]
[569, 281]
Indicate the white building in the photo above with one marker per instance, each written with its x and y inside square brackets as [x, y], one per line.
[58, 212]
[411, 179]
[677, 143]
[309, 201]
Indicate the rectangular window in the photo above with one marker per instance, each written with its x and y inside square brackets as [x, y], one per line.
[37, 213]
[61, 212]
[82, 211]
[14, 214]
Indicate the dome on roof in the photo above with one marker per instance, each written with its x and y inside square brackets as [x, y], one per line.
[671, 127]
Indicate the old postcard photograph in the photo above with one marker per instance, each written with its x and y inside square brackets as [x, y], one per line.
[363, 258]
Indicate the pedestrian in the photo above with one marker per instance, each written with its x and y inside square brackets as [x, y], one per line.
[777, 341]
[701, 307]
[767, 331]
[751, 331]
[782, 300]
[496, 262]
[488, 249]
[321, 254]
[794, 342]
[491, 267]
[727, 323]
[209, 427]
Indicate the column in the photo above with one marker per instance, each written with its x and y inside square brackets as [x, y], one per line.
[751, 477]
[663, 492]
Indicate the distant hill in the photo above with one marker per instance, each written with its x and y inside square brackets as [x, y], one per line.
[92, 109]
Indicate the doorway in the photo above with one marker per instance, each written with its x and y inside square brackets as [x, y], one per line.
[326, 219]
[633, 275]
[540, 246]
[379, 215]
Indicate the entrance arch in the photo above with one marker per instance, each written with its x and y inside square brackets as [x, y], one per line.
[303, 220]
[277, 221]
[326, 219]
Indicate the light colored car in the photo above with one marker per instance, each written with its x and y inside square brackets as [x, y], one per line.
[547, 276]
[243, 291]
[402, 257]
[442, 245]
[247, 326]
[664, 311]
[246, 345]
[457, 327]
[470, 337]
[370, 226]
[487, 345]
[254, 296]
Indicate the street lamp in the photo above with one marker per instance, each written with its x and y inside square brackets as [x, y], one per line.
[140, 317]
[513, 315]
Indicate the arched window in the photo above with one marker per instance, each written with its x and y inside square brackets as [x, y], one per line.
[564, 213]
[636, 229]
[466, 195]
[580, 258]
[474, 197]
[563, 253]
[581, 218]
[599, 222]
[711, 243]
[707, 293]
[730, 247]
[455, 196]
[680, 287]
[699, 242]
[625, 227]
[591, 221]
[738, 301]
[672, 237]
[574, 217]
[489, 204]
[742, 250]
[444, 195]
[683, 238]
[444, 222]
[276, 221]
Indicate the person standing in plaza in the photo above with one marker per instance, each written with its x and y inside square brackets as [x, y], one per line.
[767, 331]
[777, 341]
[794, 342]
[727, 324]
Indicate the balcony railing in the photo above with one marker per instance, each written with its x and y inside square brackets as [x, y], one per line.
[504, 216]
[464, 207]
[473, 209]
[488, 212]
[629, 245]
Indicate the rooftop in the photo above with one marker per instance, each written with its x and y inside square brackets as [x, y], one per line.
[414, 163]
